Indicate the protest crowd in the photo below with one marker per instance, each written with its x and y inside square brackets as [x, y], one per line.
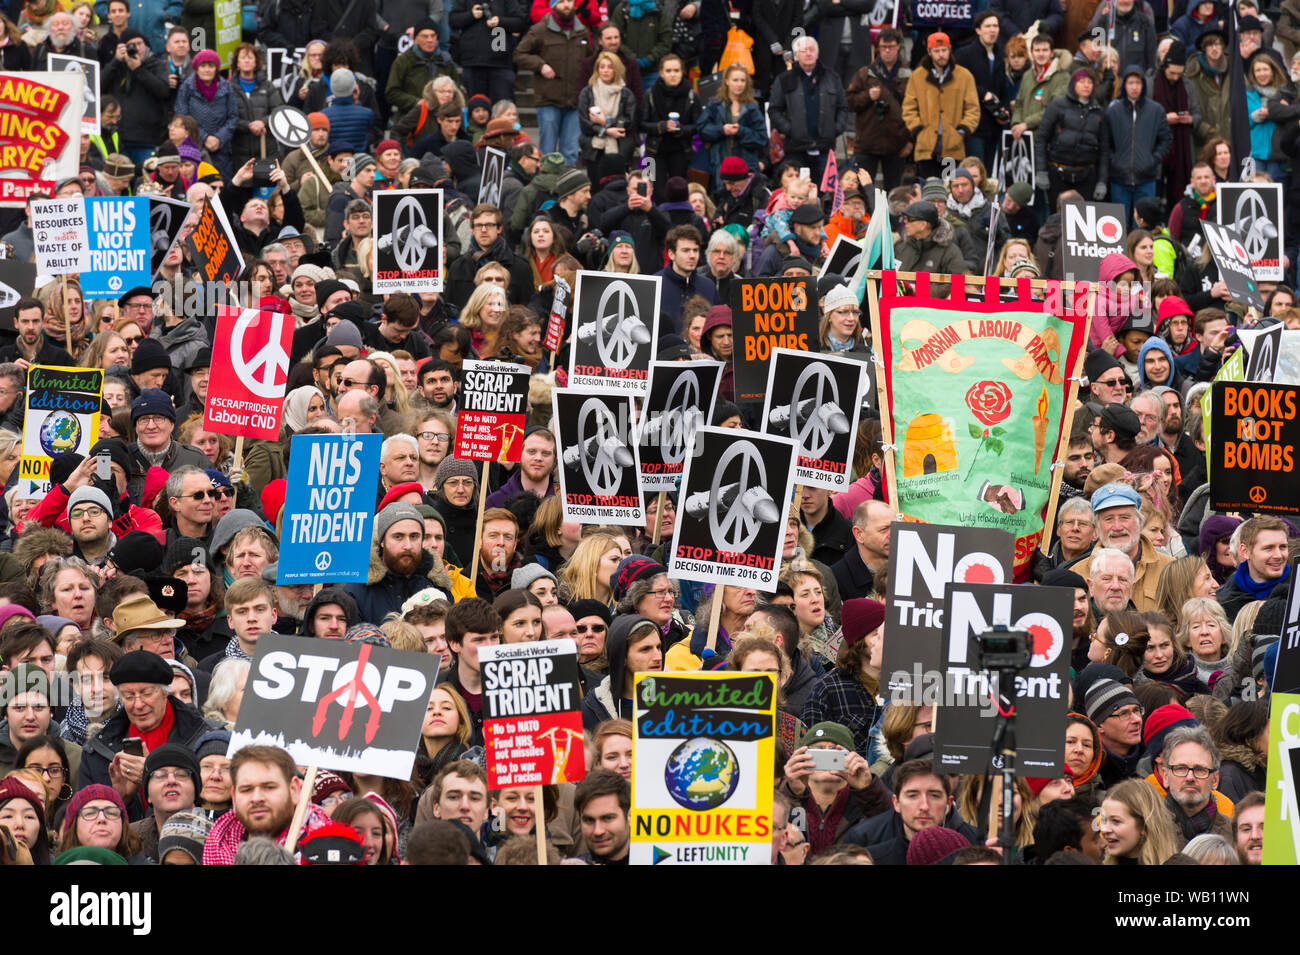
[702, 145]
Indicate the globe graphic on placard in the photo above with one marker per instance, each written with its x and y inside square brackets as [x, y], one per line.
[60, 433]
[702, 774]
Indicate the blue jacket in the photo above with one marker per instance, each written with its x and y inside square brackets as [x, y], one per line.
[748, 144]
[1138, 134]
[150, 18]
[1155, 342]
[219, 118]
[349, 124]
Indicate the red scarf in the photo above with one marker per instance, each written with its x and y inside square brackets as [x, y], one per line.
[158, 735]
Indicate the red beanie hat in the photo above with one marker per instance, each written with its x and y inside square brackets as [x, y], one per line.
[860, 616]
[733, 167]
[1162, 720]
[89, 794]
[273, 498]
[397, 490]
[933, 844]
[1037, 784]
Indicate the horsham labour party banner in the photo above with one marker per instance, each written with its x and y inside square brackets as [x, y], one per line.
[973, 396]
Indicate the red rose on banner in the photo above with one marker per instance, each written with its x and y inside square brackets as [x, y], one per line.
[989, 401]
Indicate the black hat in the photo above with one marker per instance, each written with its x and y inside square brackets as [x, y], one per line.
[1213, 32]
[807, 214]
[178, 756]
[424, 176]
[63, 465]
[1137, 322]
[1249, 22]
[202, 359]
[140, 666]
[136, 551]
[116, 450]
[1121, 419]
[1151, 210]
[169, 593]
[1176, 55]
[923, 210]
[132, 293]
[1098, 363]
[590, 608]
[671, 348]
[1064, 577]
[327, 287]
[149, 355]
[796, 262]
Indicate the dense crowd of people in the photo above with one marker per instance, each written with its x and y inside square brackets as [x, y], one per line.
[676, 140]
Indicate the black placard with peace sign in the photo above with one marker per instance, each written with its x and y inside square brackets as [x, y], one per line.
[816, 399]
[614, 331]
[732, 512]
[600, 479]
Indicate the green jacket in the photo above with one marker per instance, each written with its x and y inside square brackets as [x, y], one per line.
[407, 79]
[1034, 94]
[543, 185]
[1215, 100]
[647, 39]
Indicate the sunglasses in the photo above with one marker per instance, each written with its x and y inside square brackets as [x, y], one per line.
[591, 628]
[214, 494]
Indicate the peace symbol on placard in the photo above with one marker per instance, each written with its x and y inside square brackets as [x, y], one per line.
[736, 528]
[290, 126]
[811, 430]
[1249, 217]
[323, 560]
[259, 373]
[409, 230]
[1258, 495]
[679, 419]
[596, 429]
[613, 337]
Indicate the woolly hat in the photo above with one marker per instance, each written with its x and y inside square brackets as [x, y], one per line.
[1021, 192]
[400, 490]
[9, 611]
[327, 784]
[152, 401]
[631, 569]
[89, 794]
[1037, 784]
[149, 355]
[386, 144]
[167, 154]
[425, 23]
[343, 83]
[1104, 697]
[733, 167]
[828, 732]
[527, 575]
[571, 182]
[839, 297]
[24, 678]
[454, 467]
[859, 617]
[272, 498]
[208, 173]
[318, 121]
[392, 514]
[332, 844]
[177, 756]
[1162, 721]
[136, 551]
[1064, 577]
[207, 56]
[344, 334]
[590, 608]
[89, 494]
[1215, 528]
[231, 524]
[934, 844]
[212, 743]
[367, 633]
[676, 190]
[934, 191]
[186, 831]
[88, 855]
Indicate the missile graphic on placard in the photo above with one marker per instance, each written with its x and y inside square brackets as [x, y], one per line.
[633, 328]
[756, 501]
[613, 449]
[832, 418]
[419, 234]
[691, 420]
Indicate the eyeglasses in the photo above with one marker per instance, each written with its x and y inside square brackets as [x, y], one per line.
[1127, 713]
[52, 772]
[1200, 772]
[217, 492]
[662, 592]
[90, 510]
[200, 495]
[591, 628]
[152, 420]
[139, 307]
[111, 813]
[434, 437]
[132, 339]
[150, 694]
[458, 484]
[352, 383]
[159, 775]
[486, 225]
[333, 799]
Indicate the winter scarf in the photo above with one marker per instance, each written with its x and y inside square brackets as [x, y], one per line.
[234, 651]
[200, 620]
[606, 96]
[1257, 590]
[1191, 826]
[968, 209]
[228, 833]
[637, 9]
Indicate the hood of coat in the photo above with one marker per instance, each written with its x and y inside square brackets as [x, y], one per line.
[616, 645]
[1113, 265]
[429, 566]
[1154, 343]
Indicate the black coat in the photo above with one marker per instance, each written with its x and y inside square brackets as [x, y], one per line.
[884, 838]
[107, 743]
[460, 275]
[647, 228]
[255, 105]
[655, 107]
[285, 23]
[347, 19]
[1072, 133]
[789, 115]
[973, 57]
[474, 39]
[143, 94]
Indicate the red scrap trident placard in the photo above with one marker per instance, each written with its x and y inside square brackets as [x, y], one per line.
[250, 369]
[532, 717]
[493, 411]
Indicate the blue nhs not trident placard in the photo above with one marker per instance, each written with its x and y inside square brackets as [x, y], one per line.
[329, 509]
[120, 245]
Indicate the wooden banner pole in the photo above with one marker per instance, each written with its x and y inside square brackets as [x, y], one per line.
[657, 533]
[239, 455]
[539, 824]
[1062, 444]
[67, 323]
[882, 396]
[478, 527]
[300, 812]
[315, 166]
[715, 617]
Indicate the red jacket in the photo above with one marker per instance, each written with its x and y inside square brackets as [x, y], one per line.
[53, 512]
